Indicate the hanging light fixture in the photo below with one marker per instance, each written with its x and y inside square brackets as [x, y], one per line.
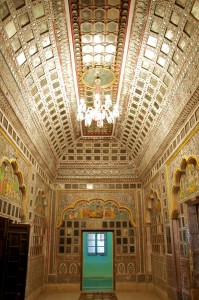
[101, 110]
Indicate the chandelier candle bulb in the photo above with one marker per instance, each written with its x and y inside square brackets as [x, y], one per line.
[99, 112]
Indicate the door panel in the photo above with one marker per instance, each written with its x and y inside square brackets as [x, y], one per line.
[3, 233]
[15, 255]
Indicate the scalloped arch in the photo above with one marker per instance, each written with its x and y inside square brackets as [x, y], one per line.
[105, 201]
[192, 159]
[18, 173]
[15, 168]
[22, 187]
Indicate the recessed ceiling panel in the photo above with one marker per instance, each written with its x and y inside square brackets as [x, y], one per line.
[144, 54]
[99, 38]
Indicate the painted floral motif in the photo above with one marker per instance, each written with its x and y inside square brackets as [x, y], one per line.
[9, 184]
[189, 182]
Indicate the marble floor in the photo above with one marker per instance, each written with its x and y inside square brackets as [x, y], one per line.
[120, 296]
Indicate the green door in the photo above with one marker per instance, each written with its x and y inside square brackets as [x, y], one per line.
[97, 271]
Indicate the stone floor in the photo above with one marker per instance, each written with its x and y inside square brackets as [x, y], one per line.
[98, 296]
[120, 296]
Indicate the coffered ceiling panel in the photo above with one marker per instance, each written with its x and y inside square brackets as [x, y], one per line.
[99, 29]
[33, 58]
[162, 47]
[144, 54]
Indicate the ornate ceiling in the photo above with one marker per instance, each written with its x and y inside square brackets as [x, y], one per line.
[146, 53]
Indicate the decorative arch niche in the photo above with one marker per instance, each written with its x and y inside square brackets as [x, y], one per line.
[96, 209]
[12, 185]
[154, 219]
[186, 191]
[40, 203]
[186, 183]
[153, 205]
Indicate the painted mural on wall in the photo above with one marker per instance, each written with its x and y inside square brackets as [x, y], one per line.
[9, 184]
[189, 181]
[68, 199]
[97, 209]
[189, 148]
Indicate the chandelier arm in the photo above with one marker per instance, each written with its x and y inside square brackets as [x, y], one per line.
[99, 112]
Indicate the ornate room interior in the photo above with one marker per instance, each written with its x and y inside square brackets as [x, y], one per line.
[99, 116]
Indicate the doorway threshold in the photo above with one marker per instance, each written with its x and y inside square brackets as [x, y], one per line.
[98, 296]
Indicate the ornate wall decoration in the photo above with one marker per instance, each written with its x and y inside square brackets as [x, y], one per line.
[12, 191]
[62, 268]
[156, 220]
[175, 168]
[189, 181]
[11, 184]
[40, 204]
[90, 210]
[9, 151]
[121, 200]
[14, 180]
[141, 241]
[38, 224]
[159, 271]
[185, 181]
[35, 279]
[6, 148]
[155, 238]
[97, 208]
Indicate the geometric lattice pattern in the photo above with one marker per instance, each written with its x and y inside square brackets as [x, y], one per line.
[97, 152]
[99, 35]
[49, 47]
[148, 86]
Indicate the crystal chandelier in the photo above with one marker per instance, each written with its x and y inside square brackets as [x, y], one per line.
[101, 110]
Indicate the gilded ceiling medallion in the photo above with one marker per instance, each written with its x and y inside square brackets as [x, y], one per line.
[107, 77]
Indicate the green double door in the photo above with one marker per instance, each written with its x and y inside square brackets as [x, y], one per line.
[97, 266]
